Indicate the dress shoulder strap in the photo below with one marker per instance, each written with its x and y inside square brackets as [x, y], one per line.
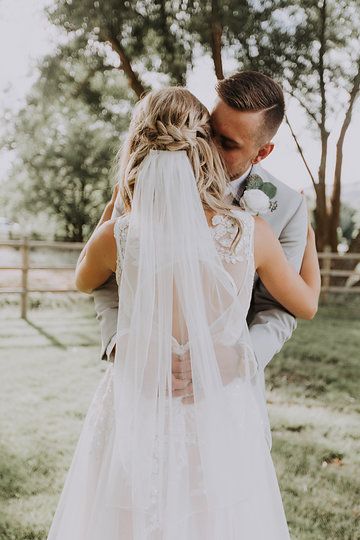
[224, 231]
[248, 229]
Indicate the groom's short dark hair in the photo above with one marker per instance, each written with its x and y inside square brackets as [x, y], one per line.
[254, 91]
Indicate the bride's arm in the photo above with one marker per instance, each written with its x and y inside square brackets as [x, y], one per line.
[95, 263]
[299, 294]
[98, 258]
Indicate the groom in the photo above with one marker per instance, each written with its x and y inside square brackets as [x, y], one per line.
[247, 114]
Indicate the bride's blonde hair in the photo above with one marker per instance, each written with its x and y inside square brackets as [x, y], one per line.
[174, 119]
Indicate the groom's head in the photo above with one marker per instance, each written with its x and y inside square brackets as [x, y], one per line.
[248, 112]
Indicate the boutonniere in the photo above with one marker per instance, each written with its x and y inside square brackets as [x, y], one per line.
[257, 196]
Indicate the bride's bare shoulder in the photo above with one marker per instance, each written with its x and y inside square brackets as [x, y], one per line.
[106, 229]
[104, 240]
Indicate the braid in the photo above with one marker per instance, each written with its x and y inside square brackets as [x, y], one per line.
[173, 119]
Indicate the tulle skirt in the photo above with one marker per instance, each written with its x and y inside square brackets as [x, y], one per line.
[85, 512]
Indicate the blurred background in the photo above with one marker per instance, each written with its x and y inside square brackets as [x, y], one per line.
[71, 72]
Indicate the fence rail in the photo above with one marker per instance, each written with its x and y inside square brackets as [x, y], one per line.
[327, 258]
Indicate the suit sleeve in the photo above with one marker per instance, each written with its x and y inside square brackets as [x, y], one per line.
[106, 303]
[269, 323]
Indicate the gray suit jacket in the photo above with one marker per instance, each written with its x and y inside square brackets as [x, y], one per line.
[270, 324]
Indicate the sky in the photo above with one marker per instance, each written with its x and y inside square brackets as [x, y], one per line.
[26, 36]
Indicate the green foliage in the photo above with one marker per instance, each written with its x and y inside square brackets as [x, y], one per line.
[255, 182]
[287, 38]
[65, 139]
[149, 34]
[269, 189]
[348, 222]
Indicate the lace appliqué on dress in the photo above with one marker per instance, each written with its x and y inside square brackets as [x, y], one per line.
[120, 232]
[179, 442]
[224, 231]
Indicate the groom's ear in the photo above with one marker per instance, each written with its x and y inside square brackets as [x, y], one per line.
[264, 152]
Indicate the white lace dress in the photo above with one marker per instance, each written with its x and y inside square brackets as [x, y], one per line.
[82, 513]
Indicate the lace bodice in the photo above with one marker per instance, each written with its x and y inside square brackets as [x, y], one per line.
[239, 262]
[223, 231]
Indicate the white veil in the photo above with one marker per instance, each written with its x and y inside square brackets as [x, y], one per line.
[175, 296]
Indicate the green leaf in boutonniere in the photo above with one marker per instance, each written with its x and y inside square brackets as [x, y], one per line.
[254, 182]
[269, 189]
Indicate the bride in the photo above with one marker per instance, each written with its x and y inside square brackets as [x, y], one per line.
[150, 465]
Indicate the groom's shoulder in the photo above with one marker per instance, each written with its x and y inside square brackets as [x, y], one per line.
[283, 191]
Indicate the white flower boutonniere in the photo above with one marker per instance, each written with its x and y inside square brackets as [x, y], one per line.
[257, 195]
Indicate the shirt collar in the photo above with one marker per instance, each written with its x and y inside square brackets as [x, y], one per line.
[233, 185]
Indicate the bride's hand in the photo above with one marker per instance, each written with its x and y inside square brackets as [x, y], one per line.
[114, 195]
[182, 377]
[109, 207]
[310, 233]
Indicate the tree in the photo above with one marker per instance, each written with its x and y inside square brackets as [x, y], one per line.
[66, 138]
[146, 36]
[312, 45]
[309, 45]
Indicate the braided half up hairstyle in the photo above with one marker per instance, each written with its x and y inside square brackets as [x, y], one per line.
[174, 119]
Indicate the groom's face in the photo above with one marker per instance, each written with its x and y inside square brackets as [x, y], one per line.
[240, 137]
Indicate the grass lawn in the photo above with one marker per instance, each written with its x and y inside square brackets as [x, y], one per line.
[49, 370]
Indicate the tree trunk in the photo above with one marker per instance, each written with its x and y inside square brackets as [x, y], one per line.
[321, 218]
[336, 193]
[216, 35]
[355, 244]
[321, 213]
[334, 218]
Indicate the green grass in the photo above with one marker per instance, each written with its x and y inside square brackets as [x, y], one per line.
[49, 370]
[313, 393]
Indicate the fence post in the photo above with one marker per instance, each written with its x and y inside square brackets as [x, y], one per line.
[24, 276]
[327, 268]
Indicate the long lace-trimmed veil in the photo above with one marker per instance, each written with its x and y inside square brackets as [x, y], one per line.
[175, 295]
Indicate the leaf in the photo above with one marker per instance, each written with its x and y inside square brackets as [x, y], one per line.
[254, 182]
[269, 189]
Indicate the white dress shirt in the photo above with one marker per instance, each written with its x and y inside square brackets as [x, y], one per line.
[233, 185]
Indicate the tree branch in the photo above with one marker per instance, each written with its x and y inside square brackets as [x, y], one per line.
[322, 51]
[301, 152]
[133, 78]
[305, 107]
[216, 35]
[336, 192]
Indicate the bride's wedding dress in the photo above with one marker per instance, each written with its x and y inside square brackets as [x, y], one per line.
[206, 473]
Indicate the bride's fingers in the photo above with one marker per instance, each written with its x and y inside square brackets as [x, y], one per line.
[181, 375]
[188, 389]
[181, 366]
[179, 384]
[188, 399]
[179, 387]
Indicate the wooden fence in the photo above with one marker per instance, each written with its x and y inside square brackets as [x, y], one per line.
[25, 245]
[327, 261]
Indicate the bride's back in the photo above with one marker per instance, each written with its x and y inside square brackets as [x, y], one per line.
[238, 262]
